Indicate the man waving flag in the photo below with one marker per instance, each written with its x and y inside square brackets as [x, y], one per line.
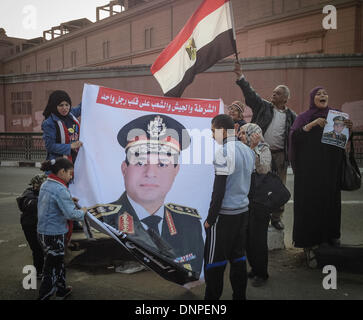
[207, 37]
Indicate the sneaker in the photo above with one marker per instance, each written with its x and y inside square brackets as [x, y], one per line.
[48, 295]
[250, 275]
[258, 281]
[65, 294]
[277, 224]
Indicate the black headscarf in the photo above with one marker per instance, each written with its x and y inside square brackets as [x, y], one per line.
[54, 100]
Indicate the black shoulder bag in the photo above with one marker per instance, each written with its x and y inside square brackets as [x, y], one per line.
[268, 190]
[351, 178]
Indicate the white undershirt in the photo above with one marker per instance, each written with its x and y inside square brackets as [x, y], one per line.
[275, 133]
[142, 213]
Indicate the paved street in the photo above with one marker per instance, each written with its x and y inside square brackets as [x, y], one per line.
[289, 277]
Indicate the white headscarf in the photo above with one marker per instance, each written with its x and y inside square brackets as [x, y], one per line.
[251, 128]
[262, 150]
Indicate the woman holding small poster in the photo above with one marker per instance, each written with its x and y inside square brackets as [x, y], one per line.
[317, 167]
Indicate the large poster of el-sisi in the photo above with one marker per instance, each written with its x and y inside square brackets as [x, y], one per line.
[146, 169]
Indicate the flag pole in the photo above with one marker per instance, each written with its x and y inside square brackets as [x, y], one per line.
[233, 29]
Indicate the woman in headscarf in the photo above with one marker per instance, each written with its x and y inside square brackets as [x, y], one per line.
[251, 135]
[235, 111]
[317, 168]
[259, 217]
[61, 127]
[61, 133]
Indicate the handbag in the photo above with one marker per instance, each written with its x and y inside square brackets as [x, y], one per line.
[268, 190]
[351, 178]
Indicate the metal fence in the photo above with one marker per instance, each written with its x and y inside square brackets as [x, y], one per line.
[29, 146]
[358, 147]
[22, 146]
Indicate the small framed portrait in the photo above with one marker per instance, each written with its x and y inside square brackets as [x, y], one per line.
[335, 132]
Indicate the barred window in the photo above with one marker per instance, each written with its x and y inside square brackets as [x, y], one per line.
[18, 108]
[29, 107]
[21, 103]
[27, 95]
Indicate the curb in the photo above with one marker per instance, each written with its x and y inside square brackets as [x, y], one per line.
[289, 170]
[29, 164]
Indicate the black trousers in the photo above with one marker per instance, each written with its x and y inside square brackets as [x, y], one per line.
[54, 272]
[31, 236]
[257, 248]
[280, 168]
[226, 241]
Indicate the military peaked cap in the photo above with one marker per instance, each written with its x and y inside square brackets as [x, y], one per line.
[154, 133]
[338, 119]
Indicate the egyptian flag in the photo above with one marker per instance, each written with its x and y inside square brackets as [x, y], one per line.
[207, 37]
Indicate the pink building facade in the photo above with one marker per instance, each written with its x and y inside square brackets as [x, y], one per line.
[279, 41]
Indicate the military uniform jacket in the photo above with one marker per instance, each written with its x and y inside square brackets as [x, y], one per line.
[338, 139]
[181, 237]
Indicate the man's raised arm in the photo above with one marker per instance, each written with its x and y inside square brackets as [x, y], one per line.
[253, 100]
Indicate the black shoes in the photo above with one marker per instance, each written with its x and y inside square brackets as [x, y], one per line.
[62, 295]
[277, 224]
[310, 256]
[334, 242]
[258, 282]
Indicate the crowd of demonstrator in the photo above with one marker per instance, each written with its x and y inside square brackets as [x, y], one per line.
[277, 138]
[236, 228]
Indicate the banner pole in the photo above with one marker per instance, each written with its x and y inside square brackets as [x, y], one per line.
[233, 29]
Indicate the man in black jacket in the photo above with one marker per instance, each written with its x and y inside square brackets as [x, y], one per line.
[275, 120]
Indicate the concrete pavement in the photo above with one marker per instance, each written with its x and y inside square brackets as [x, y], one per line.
[289, 277]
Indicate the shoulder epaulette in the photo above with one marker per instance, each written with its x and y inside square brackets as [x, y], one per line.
[183, 210]
[103, 210]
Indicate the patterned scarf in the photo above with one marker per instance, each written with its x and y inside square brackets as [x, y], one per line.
[251, 128]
